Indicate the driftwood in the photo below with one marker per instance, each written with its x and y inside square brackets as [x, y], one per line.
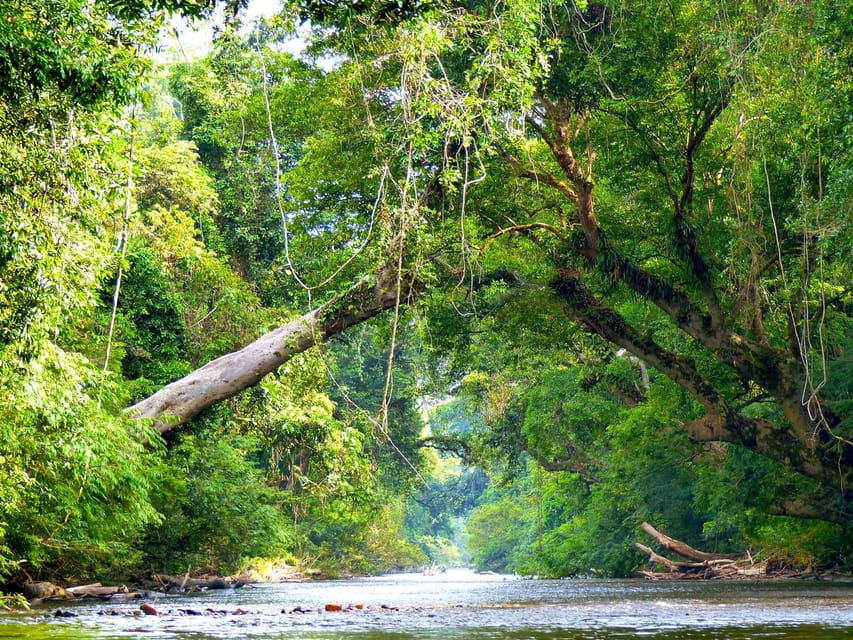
[96, 590]
[700, 565]
[195, 584]
[41, 591]
[35, 591]
[676, 546]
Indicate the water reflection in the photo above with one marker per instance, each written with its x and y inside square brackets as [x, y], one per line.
[464, 605]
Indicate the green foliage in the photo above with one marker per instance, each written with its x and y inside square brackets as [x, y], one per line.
[51, 209]
[311, 454]
[327, 12]
[711, 179]
[716, 498]
[228, 109]
[839, 381]
[620, 466]
[436, 507]
[70, 50]
[370, 540]
[82, 492]
[150, 324]
[78, 482]
[178, 208]
[798, 543]
[173, 183]
[217, 509]
[78, 479]
[497, 534]
[436, 513]
[13, 602]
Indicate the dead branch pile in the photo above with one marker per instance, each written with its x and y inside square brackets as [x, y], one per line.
[698, 565]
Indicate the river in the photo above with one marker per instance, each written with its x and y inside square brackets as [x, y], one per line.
[460, 604]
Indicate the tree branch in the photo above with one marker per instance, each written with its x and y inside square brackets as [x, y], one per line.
[794, 445]
[652, 147]
[541, 177]
[520, 228]
[594, 315]
[685, 238]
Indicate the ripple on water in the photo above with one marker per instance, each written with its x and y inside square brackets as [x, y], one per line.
[465, 605]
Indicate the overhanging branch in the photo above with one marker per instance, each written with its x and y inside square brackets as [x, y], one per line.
[593, 314]
[520, 228]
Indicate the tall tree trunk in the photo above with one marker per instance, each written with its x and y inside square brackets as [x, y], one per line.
[226, 376]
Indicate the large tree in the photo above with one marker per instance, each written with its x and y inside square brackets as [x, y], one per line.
[689, 156]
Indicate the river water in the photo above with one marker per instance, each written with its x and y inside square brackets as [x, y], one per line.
[460, 604]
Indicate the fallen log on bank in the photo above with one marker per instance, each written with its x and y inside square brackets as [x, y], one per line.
[185, 583]
[700, 565]
[44, 591]
[37, 591]
[269, 572]
[678, 547]
[96, 590]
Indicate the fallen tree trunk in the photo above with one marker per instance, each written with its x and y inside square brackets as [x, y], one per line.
[702, 565]
[178, 582]
[228, 375]
[96, 590]
[672, 565]
[676, 546]
[40, 591]
[36, 591]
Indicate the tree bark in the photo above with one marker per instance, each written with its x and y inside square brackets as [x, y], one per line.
[228, 375]
[96, 590]
[45, 591]
[672, 565]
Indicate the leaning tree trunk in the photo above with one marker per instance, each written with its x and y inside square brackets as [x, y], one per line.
[226, 376]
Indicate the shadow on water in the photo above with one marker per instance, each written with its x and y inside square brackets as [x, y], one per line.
[461, 605]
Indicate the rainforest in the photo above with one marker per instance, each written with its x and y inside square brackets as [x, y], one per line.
[368, 286]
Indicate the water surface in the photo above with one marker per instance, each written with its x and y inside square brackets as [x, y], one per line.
[460, 604]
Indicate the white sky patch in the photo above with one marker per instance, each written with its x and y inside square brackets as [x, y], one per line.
[192, 39]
